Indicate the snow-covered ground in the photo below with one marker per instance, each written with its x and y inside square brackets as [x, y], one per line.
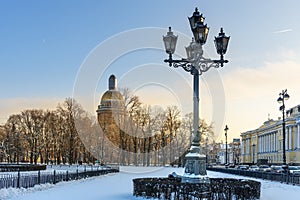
[119, 187]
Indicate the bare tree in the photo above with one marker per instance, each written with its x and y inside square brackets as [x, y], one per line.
[32, 124]
[2, 143]
[172, 125]
[132, 121]
[69, 111]
[14, 141]
[206, 131]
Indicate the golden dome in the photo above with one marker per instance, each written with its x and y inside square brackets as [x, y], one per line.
[111, 95]
[111, 99]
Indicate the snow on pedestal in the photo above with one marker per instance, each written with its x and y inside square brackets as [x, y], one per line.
[195, 167]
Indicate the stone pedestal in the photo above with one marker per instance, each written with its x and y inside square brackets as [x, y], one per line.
[195, 167]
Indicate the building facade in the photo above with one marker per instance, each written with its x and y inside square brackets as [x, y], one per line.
[233, 152]
[265, 144]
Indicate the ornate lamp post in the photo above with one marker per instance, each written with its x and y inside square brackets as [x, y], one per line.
[226, 152]
[196, 64]
[283, 96]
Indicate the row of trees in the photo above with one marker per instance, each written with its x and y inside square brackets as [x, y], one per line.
[69, 134]
[44, 136]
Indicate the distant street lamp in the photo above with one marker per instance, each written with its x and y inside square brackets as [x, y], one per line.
[196, 64]
[283, 96]
[206, 150]
[226, 153]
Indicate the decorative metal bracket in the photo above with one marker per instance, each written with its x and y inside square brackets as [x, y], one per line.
[201, 65]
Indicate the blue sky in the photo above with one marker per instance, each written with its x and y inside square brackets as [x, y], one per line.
[44, 43]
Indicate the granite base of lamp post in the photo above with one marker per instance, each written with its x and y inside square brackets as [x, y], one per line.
[195, 167]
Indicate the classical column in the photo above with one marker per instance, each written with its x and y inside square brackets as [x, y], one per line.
[258, 144]
[276, 141]
[269, 141]
[272, 142]
[298, 139]
[286, 140]
[265, 143]
[290, 137]
[296, 136]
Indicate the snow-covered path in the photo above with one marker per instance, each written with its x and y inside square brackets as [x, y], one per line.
[119, 187]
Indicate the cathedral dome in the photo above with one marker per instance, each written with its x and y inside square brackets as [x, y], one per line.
[111, 95]
[112, 99]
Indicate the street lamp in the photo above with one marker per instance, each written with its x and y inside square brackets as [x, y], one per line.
[206, 150]
[283, 96]
[196, 64]
[226, 129]
[199, 29]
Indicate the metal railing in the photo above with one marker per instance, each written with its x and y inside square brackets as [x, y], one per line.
[272, 176]
[7, 167]
[26, 180]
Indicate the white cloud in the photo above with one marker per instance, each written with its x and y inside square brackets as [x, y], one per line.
[283, 31]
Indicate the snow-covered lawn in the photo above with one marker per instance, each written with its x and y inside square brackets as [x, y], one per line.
[119, 187]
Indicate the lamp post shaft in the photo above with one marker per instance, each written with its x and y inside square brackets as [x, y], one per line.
[196, 139]
[282, 97]
[226, 148]
[283, 132]
[195, 161]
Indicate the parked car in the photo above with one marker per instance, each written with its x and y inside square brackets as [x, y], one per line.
[243, 167]
[231, 165]
[210, 166]
[294, 170]
[277, 169]
[253, 168]
[264, 168]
